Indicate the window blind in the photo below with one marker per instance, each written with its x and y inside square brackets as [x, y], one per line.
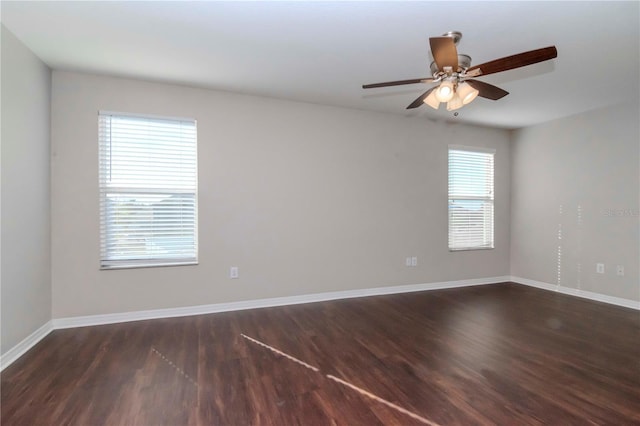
[471, 198]
[148, 191]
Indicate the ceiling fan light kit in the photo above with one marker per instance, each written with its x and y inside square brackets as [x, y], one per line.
[454, 73]
[467, 93]
[432, 101]
[454, 104]
[455, 95]
[445, 92]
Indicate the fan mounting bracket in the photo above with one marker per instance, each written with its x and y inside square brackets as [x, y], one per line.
[455, 35]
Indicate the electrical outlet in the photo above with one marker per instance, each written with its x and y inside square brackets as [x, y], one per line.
[407, 261]
[620, 270]
[600, 268]
[414, 261]
[234, 272]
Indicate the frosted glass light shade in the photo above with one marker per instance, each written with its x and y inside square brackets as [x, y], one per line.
[455, 103]
[445, 92]
[431, 100]
[466, 93]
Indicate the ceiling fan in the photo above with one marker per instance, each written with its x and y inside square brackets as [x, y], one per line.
[456, 75]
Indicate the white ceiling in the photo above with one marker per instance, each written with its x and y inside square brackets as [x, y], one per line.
[322, 52]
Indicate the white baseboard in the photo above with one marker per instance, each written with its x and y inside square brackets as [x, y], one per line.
[627, 303]
[17, 351]
[84, 321]
[30, 341]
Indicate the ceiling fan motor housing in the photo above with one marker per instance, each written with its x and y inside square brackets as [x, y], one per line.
[455, 35]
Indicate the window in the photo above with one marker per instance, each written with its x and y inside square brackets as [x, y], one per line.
[470, 198]
[148, 191]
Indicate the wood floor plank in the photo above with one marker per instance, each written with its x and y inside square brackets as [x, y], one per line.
[495, 354]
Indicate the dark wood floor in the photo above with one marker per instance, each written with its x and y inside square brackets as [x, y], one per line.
[501, 354]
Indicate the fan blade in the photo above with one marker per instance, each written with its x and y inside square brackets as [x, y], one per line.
[420, 100]
[444, 52]
[487, 90]
[514, 61]
[398, 83]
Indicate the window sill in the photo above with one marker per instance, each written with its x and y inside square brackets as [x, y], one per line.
[147, 265]
[471, 249]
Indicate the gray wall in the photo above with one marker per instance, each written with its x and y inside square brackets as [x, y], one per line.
[302, 198]
[26, 263]
[578, 176]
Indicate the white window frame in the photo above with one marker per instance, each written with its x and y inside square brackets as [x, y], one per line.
[463, 187]
[182, 183]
